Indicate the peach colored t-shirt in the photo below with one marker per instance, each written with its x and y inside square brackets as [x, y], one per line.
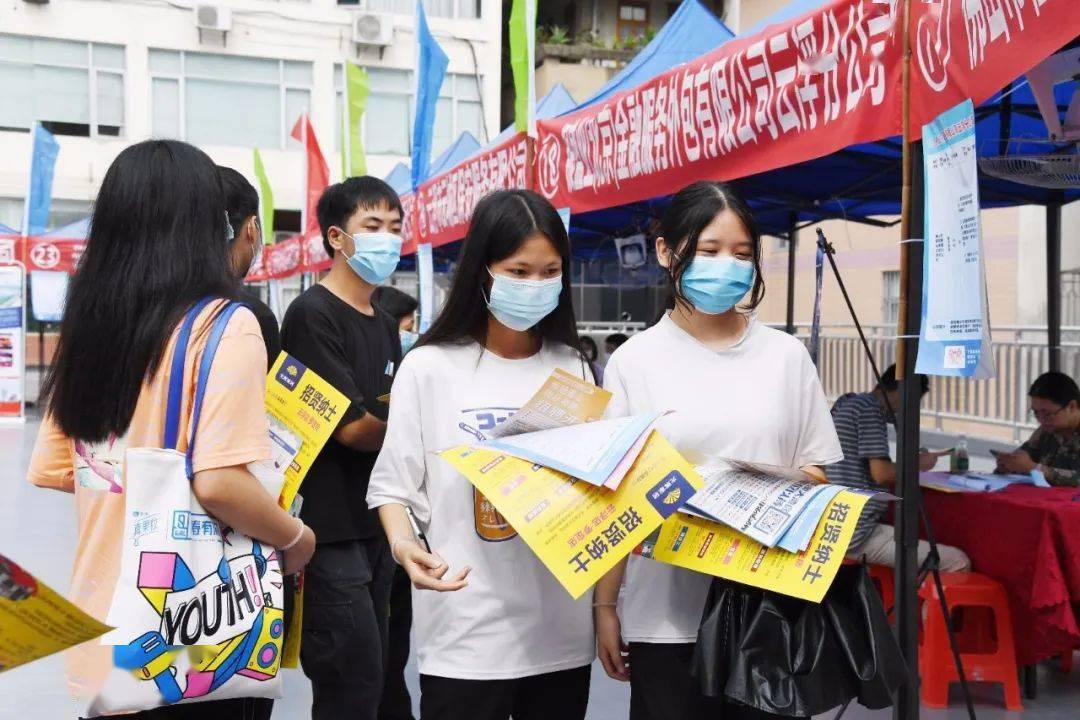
[232, 431]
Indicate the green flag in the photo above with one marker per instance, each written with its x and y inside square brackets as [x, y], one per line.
[523, 62]
[353, 160]
[266, 201]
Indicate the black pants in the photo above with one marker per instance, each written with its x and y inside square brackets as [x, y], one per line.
[343, 653]
[560, 695]
[663, 688]
[396, 703]
[239, 709]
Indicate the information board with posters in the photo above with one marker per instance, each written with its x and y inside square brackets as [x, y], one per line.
[12, 342]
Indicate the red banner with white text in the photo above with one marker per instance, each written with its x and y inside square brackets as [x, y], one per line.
[793, 92]
[59, 254]
[446, 202]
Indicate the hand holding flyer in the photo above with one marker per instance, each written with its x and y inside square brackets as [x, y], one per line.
[580, 531]
[303, 410]
[35, 621]
[707, 547]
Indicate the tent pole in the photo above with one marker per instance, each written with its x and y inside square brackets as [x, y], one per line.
[1053, 280]
[906, 706]
[793, 233]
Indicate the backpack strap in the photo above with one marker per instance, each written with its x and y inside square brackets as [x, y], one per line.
[176, 375]
[212, 342]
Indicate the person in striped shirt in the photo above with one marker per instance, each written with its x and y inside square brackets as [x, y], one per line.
[861, 421]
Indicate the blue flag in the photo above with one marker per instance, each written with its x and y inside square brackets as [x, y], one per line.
[39, 197]
[431, 64]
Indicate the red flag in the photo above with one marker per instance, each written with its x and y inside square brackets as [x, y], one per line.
[316, 174]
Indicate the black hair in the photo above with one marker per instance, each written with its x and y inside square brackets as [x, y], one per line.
[1056, 387]
[616, 339]
[589, 349]
[394, 302]
[340, 201]
[889, 383]
[156, 246]
[500, 224]
[688, 214]
[241, 200]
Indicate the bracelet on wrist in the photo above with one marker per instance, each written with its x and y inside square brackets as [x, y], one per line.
[296, 539]
[393, 546]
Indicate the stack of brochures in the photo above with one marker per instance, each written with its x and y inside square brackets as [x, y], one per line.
[777, 507]
[558, 428]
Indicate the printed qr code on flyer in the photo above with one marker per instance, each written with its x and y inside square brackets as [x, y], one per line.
[954, 357]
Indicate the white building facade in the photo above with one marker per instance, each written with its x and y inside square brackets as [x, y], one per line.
[102, 75]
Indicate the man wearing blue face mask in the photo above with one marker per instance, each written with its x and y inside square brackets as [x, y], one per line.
[334, 329]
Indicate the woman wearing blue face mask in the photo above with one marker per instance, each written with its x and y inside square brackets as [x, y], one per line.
[496, 634]
[740, 390]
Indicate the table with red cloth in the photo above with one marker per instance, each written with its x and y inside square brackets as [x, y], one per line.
[1028, 539]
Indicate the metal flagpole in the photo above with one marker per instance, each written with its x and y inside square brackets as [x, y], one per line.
[907, 451]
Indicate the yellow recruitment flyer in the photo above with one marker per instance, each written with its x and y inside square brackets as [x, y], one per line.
[698, 544]
[304, 411]
[35, 620]
[578, 530]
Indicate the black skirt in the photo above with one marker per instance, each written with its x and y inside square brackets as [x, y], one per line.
[796, 658]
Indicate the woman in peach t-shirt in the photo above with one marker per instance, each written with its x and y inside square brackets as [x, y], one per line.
[157, 245]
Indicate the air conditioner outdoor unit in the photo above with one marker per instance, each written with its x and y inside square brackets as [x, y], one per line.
[373, 29]
[213, 17]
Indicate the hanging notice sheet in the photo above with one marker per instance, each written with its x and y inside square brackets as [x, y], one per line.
[12, 341]
[425, 271]
[955, 335]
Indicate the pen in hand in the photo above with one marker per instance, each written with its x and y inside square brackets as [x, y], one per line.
[416, 529]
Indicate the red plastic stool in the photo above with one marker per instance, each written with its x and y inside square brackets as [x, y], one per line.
[996, 665]
[1065, 662]
[884, 579]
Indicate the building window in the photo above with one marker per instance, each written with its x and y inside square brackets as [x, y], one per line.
[72, 88]
[462, 9]
[388, 119]
[890, 297]
[633, 20]
[192, 93]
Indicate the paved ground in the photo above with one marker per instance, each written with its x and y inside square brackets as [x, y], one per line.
[37, 530]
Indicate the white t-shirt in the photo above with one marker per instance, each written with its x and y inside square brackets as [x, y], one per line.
[759, 400]
[513, 619]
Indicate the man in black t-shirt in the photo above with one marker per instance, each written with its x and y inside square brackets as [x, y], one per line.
[242, 207]
[334, 329]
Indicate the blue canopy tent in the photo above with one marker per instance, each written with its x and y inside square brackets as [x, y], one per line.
[400, 179]
[78, 230]
[557, 101]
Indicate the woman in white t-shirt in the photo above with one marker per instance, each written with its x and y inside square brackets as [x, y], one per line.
[497, 635]
[739, 390]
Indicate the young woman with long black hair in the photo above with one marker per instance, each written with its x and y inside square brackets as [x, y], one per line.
[497, 636]
[158, 243]
[740, 390]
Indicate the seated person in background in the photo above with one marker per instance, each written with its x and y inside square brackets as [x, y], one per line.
[861, 421]
[613, 342]
[1054, 448]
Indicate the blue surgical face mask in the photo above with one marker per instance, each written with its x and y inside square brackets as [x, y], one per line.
[408, 339]
[520, 304]
[714, 285]
[375, 255]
